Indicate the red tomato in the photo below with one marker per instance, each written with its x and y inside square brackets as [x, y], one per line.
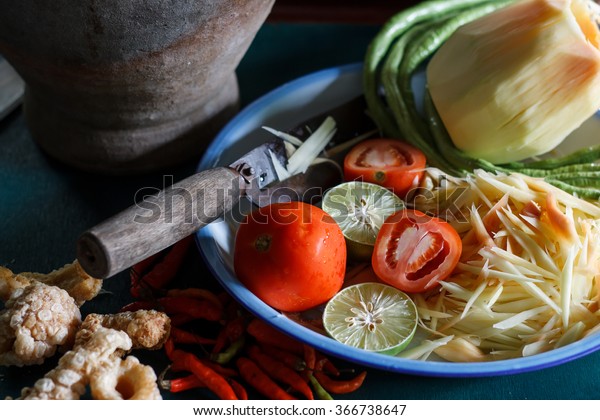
[291, 255]
[414, 251]
[393, 164]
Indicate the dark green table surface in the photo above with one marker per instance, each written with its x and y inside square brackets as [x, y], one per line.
[44, 206]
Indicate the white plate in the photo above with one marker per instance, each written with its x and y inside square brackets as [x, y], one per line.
[283, 108]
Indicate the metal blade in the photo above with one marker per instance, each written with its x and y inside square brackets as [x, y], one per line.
[262, 184]
[256, 167]
[308, 187]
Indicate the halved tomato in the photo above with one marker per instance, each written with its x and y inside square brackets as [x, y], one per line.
[393, 164]
[414, 251]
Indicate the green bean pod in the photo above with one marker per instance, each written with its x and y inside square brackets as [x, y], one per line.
[579, 167]
[403, 45]
[413, 130]
[589, 193]
[378, 48]
[586, 155]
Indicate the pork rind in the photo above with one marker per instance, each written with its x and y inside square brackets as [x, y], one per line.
[41, 312]
[97, 360]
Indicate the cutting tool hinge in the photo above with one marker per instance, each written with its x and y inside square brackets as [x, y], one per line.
[247, 175]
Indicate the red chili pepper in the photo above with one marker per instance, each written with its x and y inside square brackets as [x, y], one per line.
[194, 308]
[330, 368]
[138, 271]
[230, 352]
[214, 381]
[259, 380]
[264, 333]
[181, 384]
[233, 330]
[310, 356]
[221, 370]
[310, 359]
[340, 386]
[240, 391]
[292, 360]
[326, 365]
[169, 348]
[159, 270]
[225, 371]
[196, 293]
[279, 371]
[185, 337]
[220, 342]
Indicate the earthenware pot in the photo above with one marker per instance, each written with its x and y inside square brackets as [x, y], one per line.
[122, 86]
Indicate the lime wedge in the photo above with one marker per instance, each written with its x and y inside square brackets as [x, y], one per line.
[360, 208]
[371, 316]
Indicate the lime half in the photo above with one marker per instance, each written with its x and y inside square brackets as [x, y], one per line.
[371, 316]
[360, 208]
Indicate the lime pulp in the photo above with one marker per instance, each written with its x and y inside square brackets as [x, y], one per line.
[371, 316]
[360, 208]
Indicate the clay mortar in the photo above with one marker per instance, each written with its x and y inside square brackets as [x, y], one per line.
[123, 86]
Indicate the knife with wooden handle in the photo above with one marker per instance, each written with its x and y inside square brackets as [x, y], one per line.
[180, 210]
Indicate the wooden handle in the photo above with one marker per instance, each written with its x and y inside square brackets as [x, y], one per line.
[157, 222]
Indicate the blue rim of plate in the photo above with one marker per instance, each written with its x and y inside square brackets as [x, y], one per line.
[209, 251]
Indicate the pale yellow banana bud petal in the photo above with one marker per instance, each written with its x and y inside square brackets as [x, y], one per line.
[513, 84]
[460, 350]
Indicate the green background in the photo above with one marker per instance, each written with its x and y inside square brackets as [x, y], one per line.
[44, 206]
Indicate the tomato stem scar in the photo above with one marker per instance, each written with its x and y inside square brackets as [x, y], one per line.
[263, 243]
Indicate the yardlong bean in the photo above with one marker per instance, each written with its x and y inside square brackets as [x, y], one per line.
[410, 128]
[400, 49]
[388, 35]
